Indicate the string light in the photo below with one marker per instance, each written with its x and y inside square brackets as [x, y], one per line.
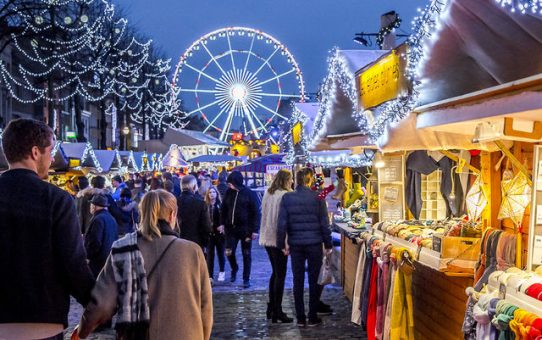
[287, 139]
[425, 27]
[384, 31]
[338, 75]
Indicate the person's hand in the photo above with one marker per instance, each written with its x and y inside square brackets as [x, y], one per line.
[75, 333]
[328, 251]
[220, 229]
[286, 251]
[254, 236]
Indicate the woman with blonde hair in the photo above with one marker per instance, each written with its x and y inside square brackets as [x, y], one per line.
[157, 282]
[282, 183]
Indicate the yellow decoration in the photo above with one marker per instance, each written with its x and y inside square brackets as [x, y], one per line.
[296, 133]
[380, 82]
[476, 200]
[516, 196]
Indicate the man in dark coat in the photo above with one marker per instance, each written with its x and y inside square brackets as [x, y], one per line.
[241, 222]
[222, 184]
[303, 217]
[193, 214]
[101, 233]
[42, 256]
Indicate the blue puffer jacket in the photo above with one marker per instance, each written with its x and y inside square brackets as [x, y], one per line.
[304, 218]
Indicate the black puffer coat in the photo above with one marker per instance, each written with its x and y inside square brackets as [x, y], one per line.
[304, 218]
[241, 211]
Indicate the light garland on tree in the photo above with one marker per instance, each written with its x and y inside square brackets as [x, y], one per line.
[338, 75]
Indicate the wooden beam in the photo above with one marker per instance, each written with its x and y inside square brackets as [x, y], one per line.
[514, 161]
[456, 159]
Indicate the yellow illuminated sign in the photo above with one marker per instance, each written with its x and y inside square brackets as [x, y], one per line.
[73, 163]
[381, 82]
[296, 133]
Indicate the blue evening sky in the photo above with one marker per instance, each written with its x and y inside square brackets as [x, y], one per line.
[309, 28]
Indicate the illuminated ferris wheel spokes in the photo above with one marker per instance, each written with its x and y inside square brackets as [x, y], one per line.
[238, 88]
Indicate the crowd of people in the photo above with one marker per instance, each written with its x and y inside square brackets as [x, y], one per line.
[145, 247]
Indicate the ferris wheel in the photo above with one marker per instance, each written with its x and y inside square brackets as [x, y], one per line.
[238, 79]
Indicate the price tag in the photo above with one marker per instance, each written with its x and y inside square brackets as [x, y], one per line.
[502, 291]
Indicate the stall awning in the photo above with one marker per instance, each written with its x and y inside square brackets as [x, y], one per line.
[481, 44]
[259, 164]
[215, 159]
[405, 136]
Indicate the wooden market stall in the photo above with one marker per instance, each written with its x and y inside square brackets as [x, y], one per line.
[478, 110]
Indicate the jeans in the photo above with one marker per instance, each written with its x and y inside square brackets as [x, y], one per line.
[313, 254]
[279, 263]
[246, 246]
[216, 241]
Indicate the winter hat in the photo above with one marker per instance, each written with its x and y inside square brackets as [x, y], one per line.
[100, 200]
[235, 178]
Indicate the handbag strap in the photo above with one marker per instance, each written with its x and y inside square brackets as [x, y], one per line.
[159, 259]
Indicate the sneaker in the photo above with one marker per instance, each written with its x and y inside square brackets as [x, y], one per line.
[246, 283]
[233, 276]
[302, 323]
[314, 322]
[221, 277]
[324, 309]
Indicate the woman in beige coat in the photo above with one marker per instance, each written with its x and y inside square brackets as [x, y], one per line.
[282, 183]
[177, 289]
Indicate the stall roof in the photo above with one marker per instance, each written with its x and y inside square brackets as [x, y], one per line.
[215, 159]
[108, 159]
[174, 158]
[128, 160]
[77, 151]
[310, 110]
[183, 137]
[337, 107]
[481, 44]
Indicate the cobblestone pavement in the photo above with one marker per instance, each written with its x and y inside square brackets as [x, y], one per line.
[240, 313]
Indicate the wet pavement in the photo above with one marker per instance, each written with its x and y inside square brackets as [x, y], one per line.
[240, 313]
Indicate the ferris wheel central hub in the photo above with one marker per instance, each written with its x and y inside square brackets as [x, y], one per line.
[238, 92]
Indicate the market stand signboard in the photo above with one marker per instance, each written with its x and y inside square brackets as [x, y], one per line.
[385, 80]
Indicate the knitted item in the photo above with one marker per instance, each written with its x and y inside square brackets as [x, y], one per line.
[131, 281]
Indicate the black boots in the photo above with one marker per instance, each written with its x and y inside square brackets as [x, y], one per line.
[282, 317]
